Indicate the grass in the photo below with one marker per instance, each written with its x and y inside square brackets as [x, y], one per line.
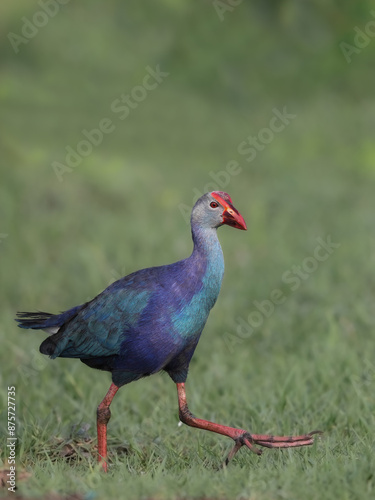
[309, 365]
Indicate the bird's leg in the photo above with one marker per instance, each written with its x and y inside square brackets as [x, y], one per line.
[240, 436]
[103, 415]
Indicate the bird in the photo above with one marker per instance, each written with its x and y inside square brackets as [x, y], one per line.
[150, 321]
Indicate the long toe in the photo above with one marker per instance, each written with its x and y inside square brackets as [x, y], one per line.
[269, 441]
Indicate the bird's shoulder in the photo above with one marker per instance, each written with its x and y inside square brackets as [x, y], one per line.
[157, 279]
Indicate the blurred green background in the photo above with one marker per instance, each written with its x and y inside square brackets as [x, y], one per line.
[64, 237]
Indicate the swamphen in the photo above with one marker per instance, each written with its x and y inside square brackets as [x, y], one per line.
[151, 320]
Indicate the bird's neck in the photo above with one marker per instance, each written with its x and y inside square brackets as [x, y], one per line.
[207, 250]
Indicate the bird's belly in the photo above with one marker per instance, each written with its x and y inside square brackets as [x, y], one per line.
[149, 354]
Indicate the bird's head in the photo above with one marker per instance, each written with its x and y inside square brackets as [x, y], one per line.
[215, 209]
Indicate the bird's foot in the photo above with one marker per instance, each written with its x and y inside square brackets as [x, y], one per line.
[240, 436]
[269, 441]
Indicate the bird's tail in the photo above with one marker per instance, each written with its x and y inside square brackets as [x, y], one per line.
[50, 323]
[36, 320]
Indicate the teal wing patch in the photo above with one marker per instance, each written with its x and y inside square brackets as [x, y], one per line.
[99, 328]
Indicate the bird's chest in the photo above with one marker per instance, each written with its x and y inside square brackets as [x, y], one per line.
[189, 319]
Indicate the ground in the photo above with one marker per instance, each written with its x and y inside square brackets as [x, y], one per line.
[289, 346]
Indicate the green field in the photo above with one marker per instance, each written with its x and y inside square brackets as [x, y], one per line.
[67, 231]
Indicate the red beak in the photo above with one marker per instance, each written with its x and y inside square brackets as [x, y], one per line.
[233, 218]
[231, 215]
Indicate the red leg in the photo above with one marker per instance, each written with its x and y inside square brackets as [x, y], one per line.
[240, 436]
[103, 415]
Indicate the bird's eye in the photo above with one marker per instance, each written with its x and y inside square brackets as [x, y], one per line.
[213, 204]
